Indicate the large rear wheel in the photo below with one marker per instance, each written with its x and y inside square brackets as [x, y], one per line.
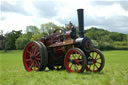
[75, 60]
[34, 57]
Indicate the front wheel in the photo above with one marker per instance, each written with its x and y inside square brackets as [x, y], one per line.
[95, 61]
[75, 60]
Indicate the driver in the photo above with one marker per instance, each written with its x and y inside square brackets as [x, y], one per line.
[69, 26]
[73, 30]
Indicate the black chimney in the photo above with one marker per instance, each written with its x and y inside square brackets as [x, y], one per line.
[81, 22]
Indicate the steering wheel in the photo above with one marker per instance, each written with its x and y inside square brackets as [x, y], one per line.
[59, 31]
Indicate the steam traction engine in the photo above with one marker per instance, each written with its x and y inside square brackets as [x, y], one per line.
[64, 49]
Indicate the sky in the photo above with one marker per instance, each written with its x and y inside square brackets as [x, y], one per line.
[111, 15]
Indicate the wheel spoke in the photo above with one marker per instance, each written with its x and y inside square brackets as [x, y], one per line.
[80, 57]
[76, 67]
[98, 58]
[96, 66]
[89, 66]
[30, 62]
[28, 59]
[29, 53]
[36, 50]
[80, 60]
[93, 67]
[74, 56]
[38, 53]
[96, 55]
[33, 50]
[98, 62]
[36, 64]
[31, 65]
[76, 61]
[37, 58]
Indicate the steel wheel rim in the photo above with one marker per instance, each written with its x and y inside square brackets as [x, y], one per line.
[31, 57]
[74, 63]
[97, 61]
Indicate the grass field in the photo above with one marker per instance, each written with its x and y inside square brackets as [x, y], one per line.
[115, 72]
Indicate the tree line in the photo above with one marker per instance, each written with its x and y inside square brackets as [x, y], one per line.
[106, 40]
[102, 39]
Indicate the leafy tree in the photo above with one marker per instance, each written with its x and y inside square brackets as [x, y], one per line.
[106, 39]
[48, 27]
[22, 41]
[97, 34]
[117, 36]
[127, 39]
[2, 42]
[37, 36]
[32, 29]
[11, 38]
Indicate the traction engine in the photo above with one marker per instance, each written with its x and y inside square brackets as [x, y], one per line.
[64, 50]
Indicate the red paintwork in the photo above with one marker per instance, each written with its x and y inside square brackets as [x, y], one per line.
[76, 59]
[68, 34]
[31, 50]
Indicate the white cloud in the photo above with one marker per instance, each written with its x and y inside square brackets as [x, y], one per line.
[15, 21]
[109, 11]
[95, 15]
[12, 2]
[28, 6]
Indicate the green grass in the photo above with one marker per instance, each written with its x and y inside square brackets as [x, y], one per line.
[115, 72]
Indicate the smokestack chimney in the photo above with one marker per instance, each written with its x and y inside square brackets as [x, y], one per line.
[81, 22]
